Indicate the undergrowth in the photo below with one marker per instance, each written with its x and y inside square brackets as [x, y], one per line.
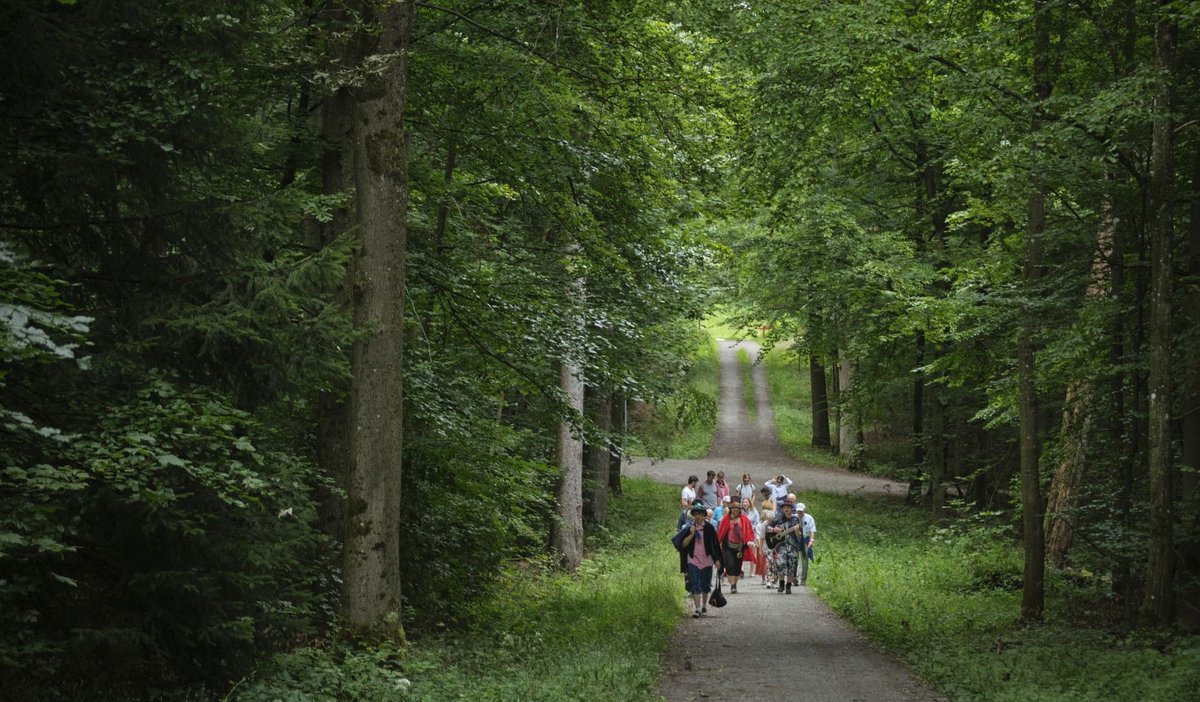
[537, 635]
[682, 426]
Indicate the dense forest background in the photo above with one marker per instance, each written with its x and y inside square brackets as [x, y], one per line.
[297, 294]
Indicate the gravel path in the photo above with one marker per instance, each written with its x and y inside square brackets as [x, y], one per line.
[764, 644]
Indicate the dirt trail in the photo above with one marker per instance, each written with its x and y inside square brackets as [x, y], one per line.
[764, 644]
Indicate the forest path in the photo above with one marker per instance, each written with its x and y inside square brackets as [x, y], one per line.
[764, 644]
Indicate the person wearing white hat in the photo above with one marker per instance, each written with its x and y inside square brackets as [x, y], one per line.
[808, 533]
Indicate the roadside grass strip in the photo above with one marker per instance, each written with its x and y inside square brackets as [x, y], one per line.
[947, 600]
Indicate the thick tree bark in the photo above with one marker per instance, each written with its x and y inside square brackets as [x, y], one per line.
[1125, 342]
[1079, 410]
[566, 533]
[596, 456]
[1033, 590]
[1157, 604]
[1120, 428]
[1189, 565]
[371, 569]
[820, 403]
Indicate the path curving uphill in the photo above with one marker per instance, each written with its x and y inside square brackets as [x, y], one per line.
[764, 644]
[741, 446]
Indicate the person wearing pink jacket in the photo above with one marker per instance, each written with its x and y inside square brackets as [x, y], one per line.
[734, 534]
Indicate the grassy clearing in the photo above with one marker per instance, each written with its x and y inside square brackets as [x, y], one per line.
[537, 635]
[747, 365]
[948, 601]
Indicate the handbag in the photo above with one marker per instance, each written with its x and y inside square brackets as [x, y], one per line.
[718, 598]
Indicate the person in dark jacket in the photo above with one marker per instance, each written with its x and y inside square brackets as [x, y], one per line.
[699, 553]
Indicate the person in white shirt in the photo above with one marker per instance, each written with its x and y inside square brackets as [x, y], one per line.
[779, 488]
[688, 495]
[745, 488]
[808, 532]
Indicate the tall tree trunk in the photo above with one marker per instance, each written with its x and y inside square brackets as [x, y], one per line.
[566, 533]
[596, 455]
[938, 454]
[918, 404]
[616, 456]
[835, 404]
[1033, 590]
[1189, 565]
[919, 439]
[1078, 411]
[333, 419]
[1126, 343]
[820, 403]
[1157, 605]
[371, 567]
[1120, 428]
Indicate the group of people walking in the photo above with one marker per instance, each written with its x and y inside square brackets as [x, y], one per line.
[722, 534]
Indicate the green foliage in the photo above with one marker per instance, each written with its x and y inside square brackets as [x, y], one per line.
[682, 425]
[885, 167]
[184, 535]
[536, 633]
[338, 674]
[156, 289]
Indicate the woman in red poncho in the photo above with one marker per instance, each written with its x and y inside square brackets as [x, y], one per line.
[733, 533]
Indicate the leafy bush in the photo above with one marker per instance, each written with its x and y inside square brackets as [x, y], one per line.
[682, 425]
[328, 675]
[182, 543]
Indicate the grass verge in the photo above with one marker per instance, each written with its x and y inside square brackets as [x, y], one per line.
[537, 635]
[948, 601]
